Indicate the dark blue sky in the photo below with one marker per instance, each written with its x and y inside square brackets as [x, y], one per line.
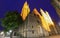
[11, 5]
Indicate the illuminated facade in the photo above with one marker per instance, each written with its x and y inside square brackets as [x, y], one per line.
[36, 24]
[33, 27]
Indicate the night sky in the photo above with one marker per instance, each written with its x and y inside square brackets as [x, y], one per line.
[11, 5]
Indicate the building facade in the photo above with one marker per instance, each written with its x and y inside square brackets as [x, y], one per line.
[32, 27]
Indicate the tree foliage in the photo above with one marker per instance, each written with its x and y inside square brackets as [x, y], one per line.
[11, 20]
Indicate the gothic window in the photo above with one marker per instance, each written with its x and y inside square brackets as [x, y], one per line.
[32, 26]
[32, 31]
[38, 21]
[59, 0]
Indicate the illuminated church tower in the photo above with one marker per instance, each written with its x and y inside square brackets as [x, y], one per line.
[35, 24]
[32, 25]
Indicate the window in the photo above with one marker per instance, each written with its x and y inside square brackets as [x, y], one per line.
[15, 34]
[32, 26]
[38, 21]
[32, 31]
[59, 0]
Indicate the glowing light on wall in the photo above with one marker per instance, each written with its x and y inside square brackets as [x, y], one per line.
[25, 11]
[45, 19]
[44, 16]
